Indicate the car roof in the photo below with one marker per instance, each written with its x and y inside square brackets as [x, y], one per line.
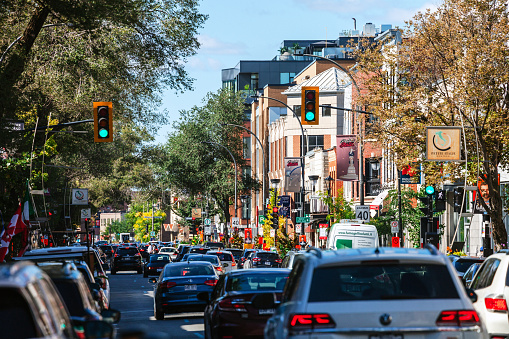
[259, 271]
[60, 270]
[201, 255]
[190, 263]
[19, 274]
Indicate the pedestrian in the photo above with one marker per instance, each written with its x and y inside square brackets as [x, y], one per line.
[150, 248]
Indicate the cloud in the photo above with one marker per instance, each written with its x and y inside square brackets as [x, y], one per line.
[204, 64]
[211, 45]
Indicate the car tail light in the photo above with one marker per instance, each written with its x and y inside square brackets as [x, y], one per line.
[279, 261]
[233, 263]
[212, 282]
[229, 305]
[256, 259]
[311, 321]
[495, 304]
[458, 318]
[116, 255]
[137, 255]
[218, 268]
[112, 251]
[168, 284]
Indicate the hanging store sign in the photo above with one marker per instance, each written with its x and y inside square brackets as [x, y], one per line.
[443, 143]
[347, 159]
[293, 174]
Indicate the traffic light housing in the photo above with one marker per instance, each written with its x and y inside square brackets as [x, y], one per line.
[458, 199]
[440, 199]
[427, 201]
[310, 105]
[103, 122]
[275, 218]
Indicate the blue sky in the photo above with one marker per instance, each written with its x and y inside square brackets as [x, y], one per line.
[254, 30]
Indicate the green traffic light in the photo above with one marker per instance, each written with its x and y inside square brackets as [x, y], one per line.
[103, 133]
[430, 190]
[310, 116]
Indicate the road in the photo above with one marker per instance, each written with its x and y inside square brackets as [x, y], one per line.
[132, 295]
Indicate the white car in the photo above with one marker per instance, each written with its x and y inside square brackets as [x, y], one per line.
[374, 293]
[490, 283]
[172, 251]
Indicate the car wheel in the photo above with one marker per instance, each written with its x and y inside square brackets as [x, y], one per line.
[158, 314]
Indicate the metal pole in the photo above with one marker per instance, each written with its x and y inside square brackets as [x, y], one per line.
[400, 214]
[301, 155]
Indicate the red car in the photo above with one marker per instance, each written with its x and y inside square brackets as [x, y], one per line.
[229, 313]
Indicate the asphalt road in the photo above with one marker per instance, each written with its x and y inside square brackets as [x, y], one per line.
[132, 295]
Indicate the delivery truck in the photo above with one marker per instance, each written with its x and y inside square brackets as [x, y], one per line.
[352, 235]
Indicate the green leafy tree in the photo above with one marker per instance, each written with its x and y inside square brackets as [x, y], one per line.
[339, 207]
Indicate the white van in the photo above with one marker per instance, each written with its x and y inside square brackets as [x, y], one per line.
[352, 235]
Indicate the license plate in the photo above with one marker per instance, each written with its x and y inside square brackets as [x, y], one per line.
[267, 263]
[386, 336]
[190, 287]
[159, 269]
[266, 311]
[126, 258]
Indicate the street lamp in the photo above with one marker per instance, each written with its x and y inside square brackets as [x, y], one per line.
[263, 152]
[235, 165]
[302, 154]
[329, 182]
[244, 199]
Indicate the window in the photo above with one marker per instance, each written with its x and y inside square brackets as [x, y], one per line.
[326, 111]
[372, 176]
[315, 141]
[286, 78]
[254, 81]
[486, 274]
[247, 147]
[296, 109]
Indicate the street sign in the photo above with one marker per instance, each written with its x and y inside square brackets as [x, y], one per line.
[261, 218]
[235, 222]
[304, 220]
[207, 230]
[86, 213]
[206, 222]
[323, 231]
[272, 233]
[152, 234]
[298, 228]
[362, 213]
[394, 226]
[395, 241]
[196, 212]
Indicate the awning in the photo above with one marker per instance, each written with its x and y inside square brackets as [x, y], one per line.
[378, 201]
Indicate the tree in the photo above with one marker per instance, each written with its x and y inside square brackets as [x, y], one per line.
[448, 70]
[339, 207]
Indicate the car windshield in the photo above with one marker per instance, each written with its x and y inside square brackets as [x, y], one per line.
[267, 256]
[236, 253]
[167, 249]
[15, 316]
[257, 282]
[201, 250]
[127, 251]
[211, 259]
[381, 281]
[71, 295]
[159, 258]
[223, 256]
[182, 270]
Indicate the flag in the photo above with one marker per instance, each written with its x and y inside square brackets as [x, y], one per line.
[19, 224]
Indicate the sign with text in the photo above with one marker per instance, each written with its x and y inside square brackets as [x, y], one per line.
[394, 226]
[80, 196]
[207, 230]
[410, 174]
[362, 213]
[395, 241]
[86, 213]
[347, 163]
[196, 213]
[302, 220]
[293, 174]
[284, 205]
[235, 222]
[323, 231]
[443, 143]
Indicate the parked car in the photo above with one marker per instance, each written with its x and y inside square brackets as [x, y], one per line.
[126, 258]
[155, 264]
[263, 259]
[171, 251]
[178, 285]
[226, 258]
[244, 256]
[289, 259]
[462, 263]
[470, 273]
[409, 293]
[491, 286]
[213, 259]
[229, 312]
[95, 287]
[31, 307]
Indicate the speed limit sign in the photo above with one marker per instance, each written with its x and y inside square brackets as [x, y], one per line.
[362, 213]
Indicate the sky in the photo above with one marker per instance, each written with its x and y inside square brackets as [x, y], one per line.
[254, 30]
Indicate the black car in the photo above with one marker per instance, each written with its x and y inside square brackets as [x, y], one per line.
[182, 250]
[462, 263]
[155, 264]
[144, 251]
[108, 250]
[264, 259]
[244, 256]
[199, 250]
[126, 258]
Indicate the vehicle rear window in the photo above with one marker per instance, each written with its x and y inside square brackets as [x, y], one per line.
[201, 250]
[463, 265]
[127, 251]
[71, 295]
[223, 256]
[159, 257]
[382, 282]
[267, 256]
[257, 282]
[15, 317]
[179, 271]
[212, 260]
[236, 253]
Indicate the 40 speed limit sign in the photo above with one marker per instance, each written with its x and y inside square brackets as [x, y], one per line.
[362, 213]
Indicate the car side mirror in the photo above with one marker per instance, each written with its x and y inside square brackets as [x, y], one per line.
[472, 295]
[98, 329]
[152, 280]
[111, 315]
[203, 296]
[263, 301]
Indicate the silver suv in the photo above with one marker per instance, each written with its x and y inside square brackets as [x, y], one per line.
[373, 293]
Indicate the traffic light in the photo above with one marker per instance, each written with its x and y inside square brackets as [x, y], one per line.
[427, 201]
[309, 105]
[458, 199]
[275, 218]
[103, 122]
[440, 199]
